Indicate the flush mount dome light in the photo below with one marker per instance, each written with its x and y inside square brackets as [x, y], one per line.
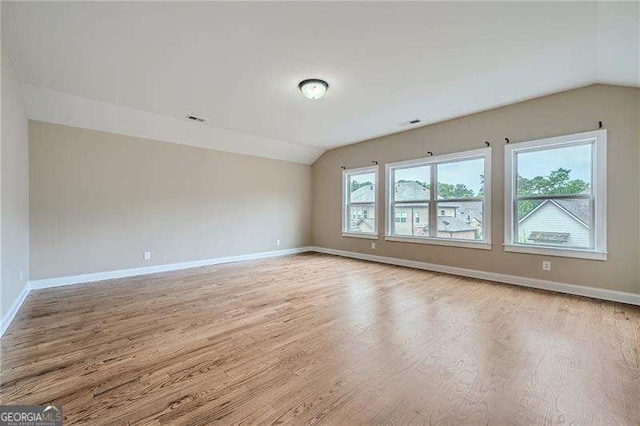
[313, 88]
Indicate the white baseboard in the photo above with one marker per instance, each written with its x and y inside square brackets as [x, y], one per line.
[123, 273]
[596, 293]
[14, 309]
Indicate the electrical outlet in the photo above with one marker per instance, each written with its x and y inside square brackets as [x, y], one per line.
[278, 243]
[546, 265]
[21, 275]
[373, 246]
[147, 255]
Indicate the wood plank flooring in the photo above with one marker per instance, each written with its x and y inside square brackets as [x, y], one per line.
[315, 338]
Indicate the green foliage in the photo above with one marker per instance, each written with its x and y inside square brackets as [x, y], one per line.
[481, 191]
[559, 182]
[423, 184]
[525, 207]
[448, 190]
[459, 190]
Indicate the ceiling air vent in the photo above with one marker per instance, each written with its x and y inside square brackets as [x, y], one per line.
[410, 122]
[194, 118]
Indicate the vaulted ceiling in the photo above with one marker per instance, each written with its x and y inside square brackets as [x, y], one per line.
[140, 67]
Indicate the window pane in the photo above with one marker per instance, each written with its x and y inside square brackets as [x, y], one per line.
[362, 188]
[461, 179]
[411, 219]
[555, 222]
[461, 220]
[361, 218]
[412, 184]
[554, 171]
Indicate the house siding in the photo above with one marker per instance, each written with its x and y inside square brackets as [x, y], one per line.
[406, 228]
[551, 218]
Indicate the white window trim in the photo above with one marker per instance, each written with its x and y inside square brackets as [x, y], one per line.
[599, 188]
[345, 210]
[432, 160]
[439, 241]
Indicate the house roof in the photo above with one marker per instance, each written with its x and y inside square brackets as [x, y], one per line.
[410, 191]
[577, 208]
[465, 208]
[364, 194]
[453, 224]
[369, 223]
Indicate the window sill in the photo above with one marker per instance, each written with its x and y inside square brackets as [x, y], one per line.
[559, 252]
[440, 242]
[360, 235]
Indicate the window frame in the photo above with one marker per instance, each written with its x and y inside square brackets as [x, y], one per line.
[598, 198]
[433, 161]
[346, 203]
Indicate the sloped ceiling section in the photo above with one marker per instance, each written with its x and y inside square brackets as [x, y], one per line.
[140, 67]
[62, 108]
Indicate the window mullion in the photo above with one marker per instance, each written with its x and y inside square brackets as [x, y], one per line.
[433, 213]
[514, 220]
[514, 200]
[543, 197]
[460, 200]
[346, 198]
[391, 208]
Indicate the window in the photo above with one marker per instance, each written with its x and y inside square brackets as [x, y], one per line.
[401, 217]
[455, 210]
[359, 202]
[555, 200]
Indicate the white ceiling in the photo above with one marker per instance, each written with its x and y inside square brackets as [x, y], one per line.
[238, 64]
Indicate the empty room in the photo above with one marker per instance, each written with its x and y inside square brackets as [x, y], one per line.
[307, 212]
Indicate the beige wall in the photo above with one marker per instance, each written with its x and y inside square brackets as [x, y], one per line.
[14, 229]
[568, 112]
[98, 200]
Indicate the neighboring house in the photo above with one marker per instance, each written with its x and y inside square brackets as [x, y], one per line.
[455, 220]
[557, 222]
[469, 215]
[362, 217]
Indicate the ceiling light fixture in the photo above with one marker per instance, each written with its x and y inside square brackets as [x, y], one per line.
[313, 88]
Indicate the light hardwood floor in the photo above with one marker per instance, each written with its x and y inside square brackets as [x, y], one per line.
[317, 338]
